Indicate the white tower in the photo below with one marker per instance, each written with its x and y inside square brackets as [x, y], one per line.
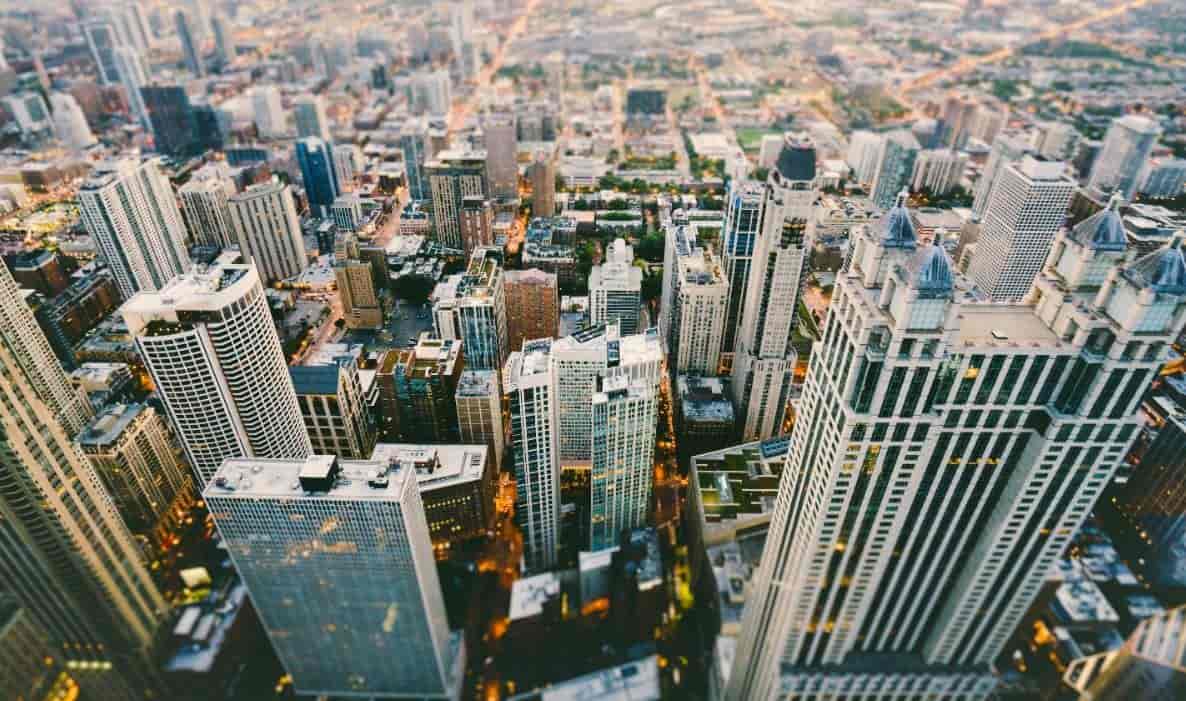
[1126, 147]
[70, 123]
[624, 416]
[205, 205]
[615, 289]
[268, 230]
[209, 343]
[129, 208]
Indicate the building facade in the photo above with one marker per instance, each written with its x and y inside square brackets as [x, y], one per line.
[479, 412]
[533, 306]
[334, 408]
[453, 176]
[624, 412]
[268, 230]
[471, 307]
[615, 289]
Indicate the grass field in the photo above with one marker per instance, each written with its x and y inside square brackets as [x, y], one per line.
[750, 138]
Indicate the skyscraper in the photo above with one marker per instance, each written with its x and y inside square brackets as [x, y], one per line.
[133, 74]
[338, 560]
[530, 385]
[361, 305]
[268, 231]
[309, 112]
[331, 398]
[1127, 146]
[743, 224]
[224, 39]
[471, 306]
[128, 207]
[347, 165]
[1147, 666]
[190, 48]
[477, 223]
[417, 391]
[580, 363]
[938, 171]
[764, 357]
[65, 554]
[863, 148]
[269, 112]
[171, 115]
[316, 161]
[70, 123]
[452, 176]
[624, 420]
[502, 155]
[699, 306]
[207, 211]
[1027, 207]
[615, 289]
[479, 412]
[413, 141]
[1006, 150]
[533, 306]
[209, 344]
[997, 425]
[432, 92]
[102, 39]
[895, 165]
[543, 185]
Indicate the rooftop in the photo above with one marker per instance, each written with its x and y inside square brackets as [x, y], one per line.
[318, 477]
[478, 383]
[634, 681]
[704, 399]
[528, 595]
[207, 289]
[436, 466]
[107, 427]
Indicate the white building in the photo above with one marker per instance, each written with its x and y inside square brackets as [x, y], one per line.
[479, 412]
[1164, 178]
[268, 230]
[1055, 141]
[207, 211]
[1027, 207]
[938, 171]
[768, 150]
[764, 357]
[615, 289]
[996, 426]
[70, 123]
[337, 557]
[1007, 149]
[454, 175]
[29, 111]
[432, 92]
[208, 341]
[624, 417]
[129, 209]
[863, 148]
[530, 385]
[1126, 147]
[471, 307]
[580, 362]
[346, 212]
[699, 305]
[347, 165]
[895, 166]
[268, 112]
[310, 117]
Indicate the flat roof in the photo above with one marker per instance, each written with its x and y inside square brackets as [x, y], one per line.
[633, 681]
[436, 466]
[252, 478]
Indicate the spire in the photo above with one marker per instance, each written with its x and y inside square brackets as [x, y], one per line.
[1104, 230]
[1164, 270]
[897, 228]
[930, 271]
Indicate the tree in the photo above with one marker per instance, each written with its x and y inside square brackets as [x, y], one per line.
[650, 248]
[652, 287]
[413, 288]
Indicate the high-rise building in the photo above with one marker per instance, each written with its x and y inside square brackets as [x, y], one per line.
[699, 306]
[502, 155]
[938, 171]
[764, 357]
[579, 363]
[1055, 141]
[102, 39]
[743, 223]
[224, 39]
[70, 123]
[615, 289]
[863, 149]
[347, 165]
[624, 419]
[477, 223]
[309, 112]
[1127, 146]
[208, 341]
[432, 92]
[1027, 207]
[191, 49]
[336, 416]
[543, 185]
[471, 307]
[895, 165]
[316, 161]
[479, 412]
[533, 306]
[207, 211]
[171, 115]
[268, 112]
[133, 74]
[1164, 178]
[134, 454]
[66, 556]
[346, 212]
[417, 391]
[362, 307]
[453, 176]
[1147, 666]
[32, 668]
[529, 381]
[413, 142]
[704, 415]
[268, 230]
[129, 209]
[998, 425]
[1006, 150]
[358, 611]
